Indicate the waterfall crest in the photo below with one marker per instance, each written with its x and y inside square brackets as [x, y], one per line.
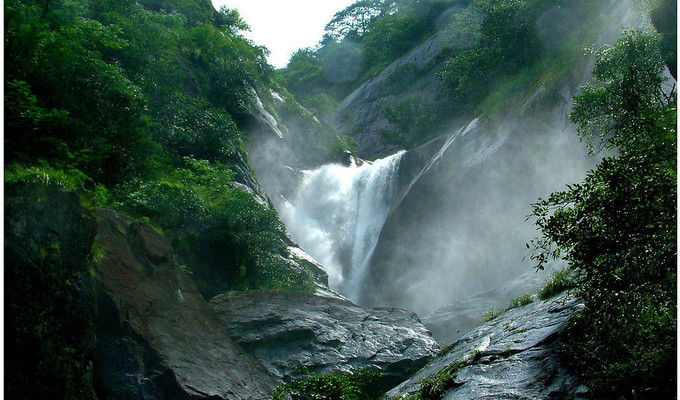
[337, 215]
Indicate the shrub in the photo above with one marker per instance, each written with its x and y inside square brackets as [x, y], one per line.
[433, 387]
[520, 301]
[359, 385]
[490, 315]
[558, 282]
[225, 236]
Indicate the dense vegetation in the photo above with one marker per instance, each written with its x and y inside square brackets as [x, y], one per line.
[359, 42]
[617, 229]
[141, 107]
[493, 52]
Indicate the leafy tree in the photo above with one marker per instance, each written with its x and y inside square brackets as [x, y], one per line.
[353, 22]
[392, 36]
[619, 109]
[494, 39]
[617, 229]
[226, 237]
[138, 99]
[191, 127]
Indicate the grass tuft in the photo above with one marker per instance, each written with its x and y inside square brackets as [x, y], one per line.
[558, 282]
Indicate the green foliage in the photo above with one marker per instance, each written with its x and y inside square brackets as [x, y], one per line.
[315, 140]
[617, 229]
[31, 128]
[493, 51]
[391, 37]
[494, 39]
[191, 127]
[359, 385]
[321, 104]
[627, 90]
[665, 20]
[489, 315]
[433, 387]
[360, 41]
[558, 282]
[138, 106]
[46, 175]
[354, 21]
[61, 59]
[348, 143]
[521, 301]
[228, 239]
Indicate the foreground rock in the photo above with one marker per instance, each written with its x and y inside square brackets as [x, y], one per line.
[289, 330]
[157, 338]
[511, 357]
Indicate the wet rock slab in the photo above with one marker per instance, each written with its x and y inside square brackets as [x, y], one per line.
[510, 357]
[157, 338]
[324, 334]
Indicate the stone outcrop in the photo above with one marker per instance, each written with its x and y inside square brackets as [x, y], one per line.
[510, 357]
[289, 330]
[157, 338]
[360, 114]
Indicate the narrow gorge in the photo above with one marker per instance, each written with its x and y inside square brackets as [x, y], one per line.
[395, 214]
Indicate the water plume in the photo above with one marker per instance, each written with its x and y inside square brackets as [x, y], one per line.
[337, 214]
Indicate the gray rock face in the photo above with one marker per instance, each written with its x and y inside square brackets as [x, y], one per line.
[510, 357]
[360, 114]
[157, 338]
[288, 330]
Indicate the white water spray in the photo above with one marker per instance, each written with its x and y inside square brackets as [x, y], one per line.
[337, 215]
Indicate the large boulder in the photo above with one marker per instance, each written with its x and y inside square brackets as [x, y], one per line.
[157, 338]
[324, 334]
[511, 357]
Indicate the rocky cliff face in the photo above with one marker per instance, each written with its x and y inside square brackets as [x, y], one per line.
[157, 338]
[511, 357]
[360, 115]
[290, 330]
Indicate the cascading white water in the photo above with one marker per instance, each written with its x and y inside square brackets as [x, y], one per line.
[337, 215]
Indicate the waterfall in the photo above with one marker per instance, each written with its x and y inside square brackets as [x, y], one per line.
[337, 215]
